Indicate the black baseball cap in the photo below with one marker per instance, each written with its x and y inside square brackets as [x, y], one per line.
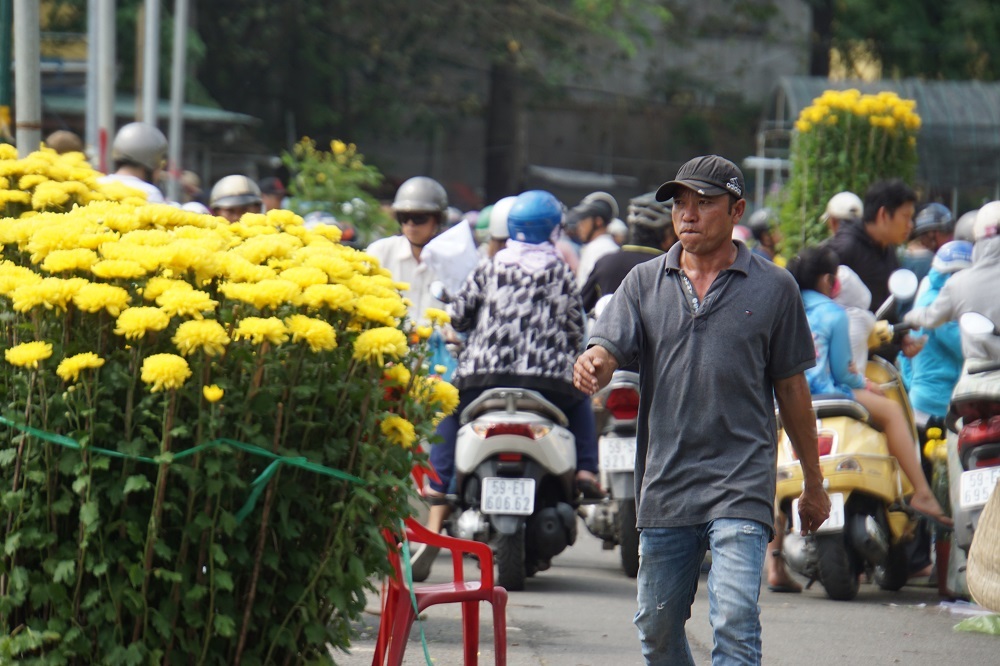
[709, 175]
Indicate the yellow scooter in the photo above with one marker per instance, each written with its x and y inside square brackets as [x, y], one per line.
[869, 523]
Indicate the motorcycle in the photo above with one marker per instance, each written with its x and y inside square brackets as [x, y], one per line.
[613, 521]
[515, 470]
[974, 414]
[869, 523]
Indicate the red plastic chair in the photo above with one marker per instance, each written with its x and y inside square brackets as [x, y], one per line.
[398, 613]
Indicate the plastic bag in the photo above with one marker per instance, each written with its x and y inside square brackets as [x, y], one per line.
[984, 624]
[439, 355]
[452, 256]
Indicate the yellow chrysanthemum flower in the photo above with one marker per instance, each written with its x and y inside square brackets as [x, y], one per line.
[444, 395]
[399, 431]
[28, 354]
[304, 276]
[437, 317]
[118, 268]
[135, 322]
[157, 286]
[263, 294]
[186, 303]
[70, 368]
[423, 332]
[62, 261]
[205, 335]
[96, 296]
[212, 393]
[262, 329]
[49, 292]
[318, 334]
[333, 296]
[378, 343]
[398, 373]
[165, 371]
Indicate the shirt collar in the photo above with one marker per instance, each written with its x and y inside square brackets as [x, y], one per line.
[741, 264]
[403, 251]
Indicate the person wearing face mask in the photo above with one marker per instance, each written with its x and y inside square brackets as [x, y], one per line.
[419, 207]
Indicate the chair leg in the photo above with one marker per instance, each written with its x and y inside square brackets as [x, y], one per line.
[470, 631]
[385, 625]
[500, 626]
[401, 625]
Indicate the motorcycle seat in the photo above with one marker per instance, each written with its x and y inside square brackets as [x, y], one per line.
[513, 400]
[828, 407]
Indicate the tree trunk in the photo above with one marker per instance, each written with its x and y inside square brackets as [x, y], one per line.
[821, 38]
[504, 159]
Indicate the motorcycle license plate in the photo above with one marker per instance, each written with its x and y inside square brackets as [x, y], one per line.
[976, 485]
[833, 523]
[509, 496]
[617, 454]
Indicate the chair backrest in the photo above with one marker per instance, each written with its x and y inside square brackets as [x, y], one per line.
[417, 533]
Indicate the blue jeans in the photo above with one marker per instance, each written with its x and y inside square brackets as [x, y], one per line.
[669, 563]
[579, 413]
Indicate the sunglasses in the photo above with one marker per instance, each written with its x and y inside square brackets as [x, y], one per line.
[419, 219]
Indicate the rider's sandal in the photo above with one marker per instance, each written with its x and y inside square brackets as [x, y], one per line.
[931, 517]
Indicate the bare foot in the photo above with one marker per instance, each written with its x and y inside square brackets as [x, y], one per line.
[927, 505]
[778, 578]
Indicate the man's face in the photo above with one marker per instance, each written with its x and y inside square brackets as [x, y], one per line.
[703, 223]
[585, 229]
[234, 213]
[895, 228]
[418, 227]
[271, 201]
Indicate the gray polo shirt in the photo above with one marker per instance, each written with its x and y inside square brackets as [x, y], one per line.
[707, 436]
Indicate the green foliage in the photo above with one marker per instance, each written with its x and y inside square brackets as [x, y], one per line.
[844, 141]
[337, 182]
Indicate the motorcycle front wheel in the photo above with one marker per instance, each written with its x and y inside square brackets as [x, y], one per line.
[837, 572]
[509, 554]
[628, 537]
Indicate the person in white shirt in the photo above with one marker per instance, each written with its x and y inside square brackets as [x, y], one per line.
[590, 219]
[138, 153]
[419, 207]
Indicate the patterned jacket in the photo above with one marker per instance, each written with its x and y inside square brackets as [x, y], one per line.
[524, 330]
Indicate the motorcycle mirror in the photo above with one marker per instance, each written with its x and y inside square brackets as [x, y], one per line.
[439, 291]
[601, 305]
[903, 284]
[975, 324]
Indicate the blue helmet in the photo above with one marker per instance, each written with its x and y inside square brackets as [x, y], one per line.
[952, 256]
[533, 216]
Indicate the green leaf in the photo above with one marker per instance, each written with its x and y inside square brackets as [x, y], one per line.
[88, 513]
[137, 483]
[90, 599]
[224, 581]
[65, 571]
[196, 593]
[7, 456]
[219, 554]
[224, 626]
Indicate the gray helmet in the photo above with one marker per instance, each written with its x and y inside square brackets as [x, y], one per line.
[233, 191]
[761, 222]
[140, 143]
[963, 228]
[646, 211]
[932, 217]
[606, 198]
[420, 194]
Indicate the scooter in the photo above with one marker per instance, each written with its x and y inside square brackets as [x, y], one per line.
[613, 521]
[974, 414]
[868, 525]
[515, 469]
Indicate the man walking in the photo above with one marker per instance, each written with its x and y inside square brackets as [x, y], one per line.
[706, 441]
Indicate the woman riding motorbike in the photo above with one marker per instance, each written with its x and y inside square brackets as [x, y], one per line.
[524, 318]
[815, 270]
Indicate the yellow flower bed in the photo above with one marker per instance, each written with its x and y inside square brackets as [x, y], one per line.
[222, 419]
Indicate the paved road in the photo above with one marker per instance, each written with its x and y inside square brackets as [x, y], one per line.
[579, 613]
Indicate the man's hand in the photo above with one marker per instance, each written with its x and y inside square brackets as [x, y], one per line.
[911, 345]
[814, 508]
[593, 369]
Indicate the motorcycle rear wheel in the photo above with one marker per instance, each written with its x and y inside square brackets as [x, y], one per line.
[628, 537]
[837, 571]
[509, 554]
[892, 574]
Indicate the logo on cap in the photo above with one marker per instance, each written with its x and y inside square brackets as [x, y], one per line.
[734, 186]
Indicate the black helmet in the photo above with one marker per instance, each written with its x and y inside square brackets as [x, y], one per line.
[645, 210]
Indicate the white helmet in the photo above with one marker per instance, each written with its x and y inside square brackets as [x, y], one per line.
[844, 206]
[987, 222]
[140, 143]
[498, 218]
[233, 191]
[963, 228]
